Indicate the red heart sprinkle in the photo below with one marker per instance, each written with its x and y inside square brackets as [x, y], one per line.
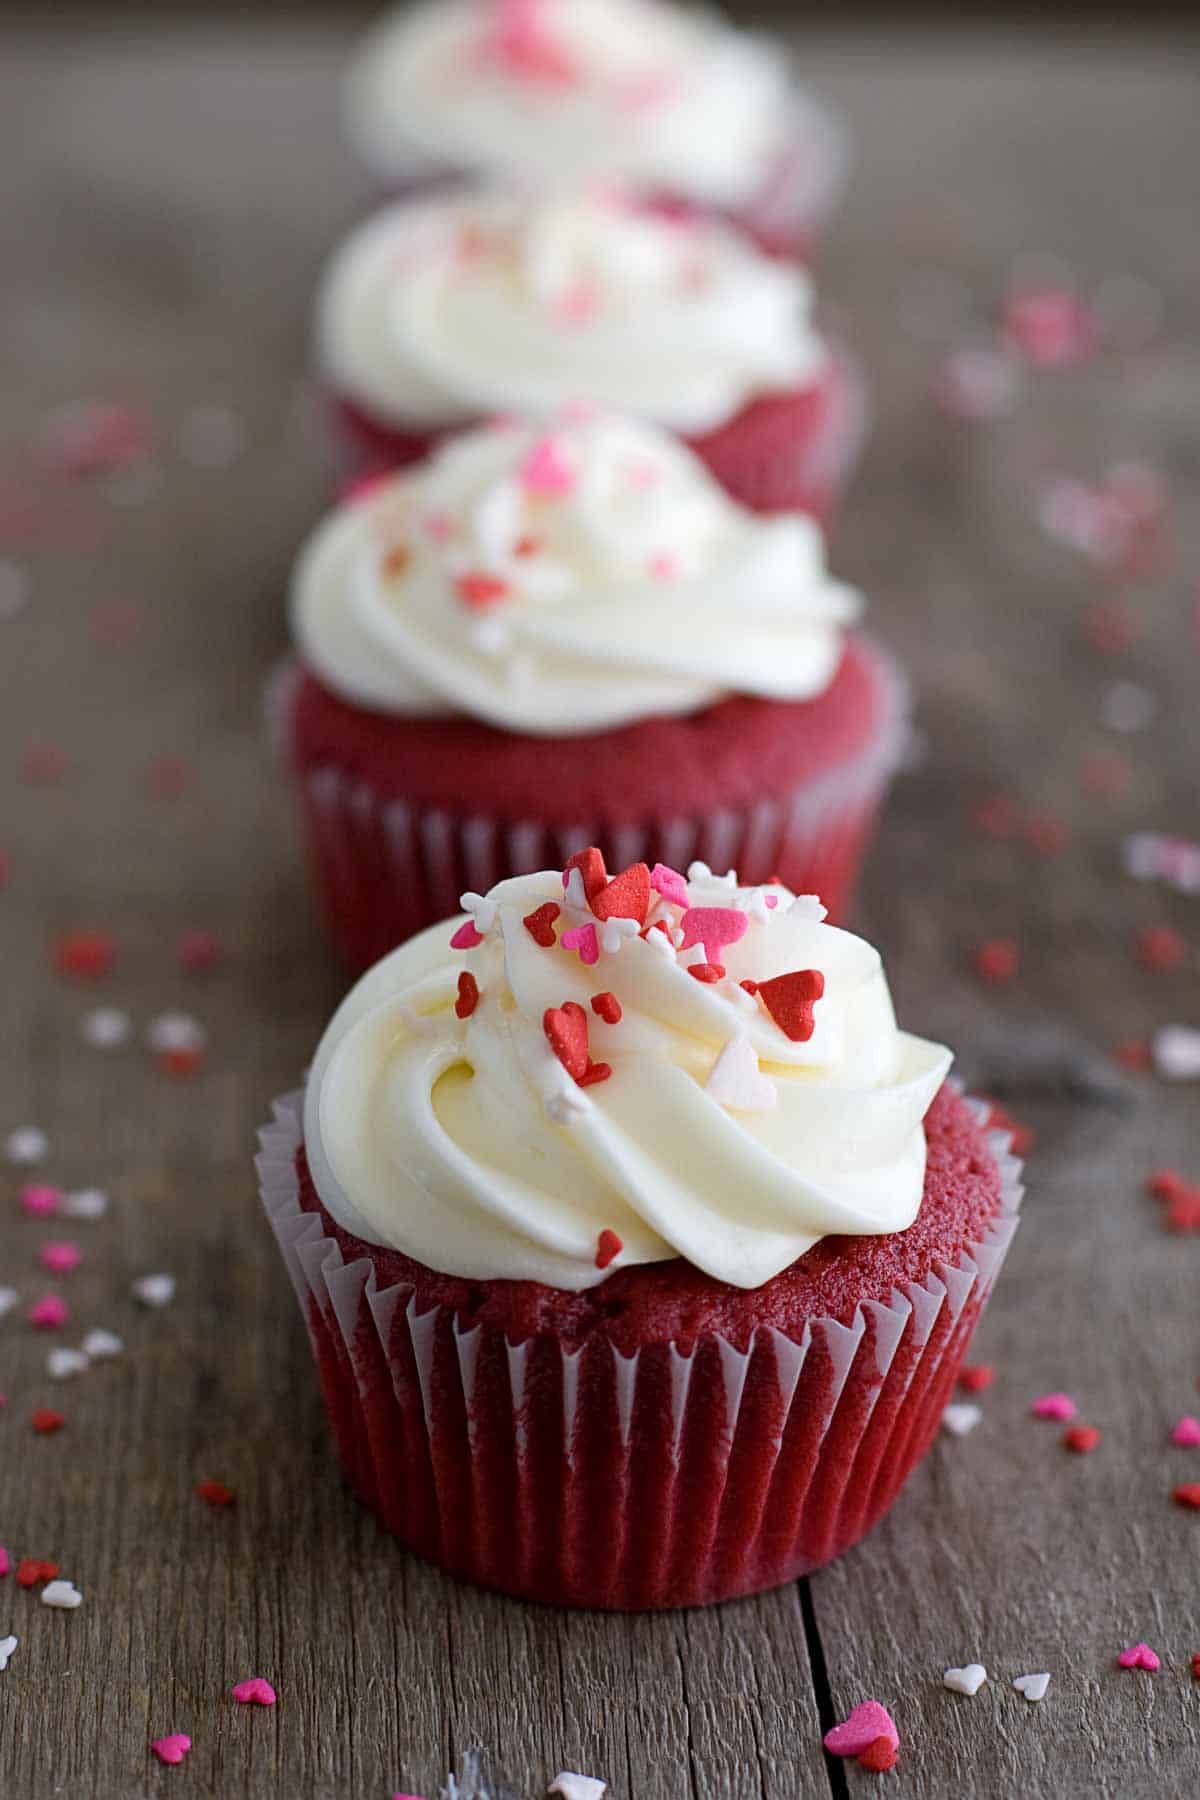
[606, 1006]
[1183, 1212]
[1081, 1438]
[566, 1028]
[998, 960]
[1188, 1495]
[593, 1073]
[540, 924]
[608, 1246]
[30, 1571]
[751, 987]
[468, 995]
[790, 1000]
[707, 972]
[1196, 1666]
[974, 1377]
[215, 1493]
[44, 1419]
[627, 895]
[879, 1756]
[1166, 1184]
[183, 1059]
[87, 954]
[476, 589]
[590, 864]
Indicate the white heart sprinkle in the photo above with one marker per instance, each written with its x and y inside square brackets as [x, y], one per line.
[960, 1417]
[8, 1299]
[62, 1593]
[965, 1681]
[101, 1343]
[88, 1203]
[172, 1031]
[27, 1145]
[62, 1363]
[1177, 1053]
[577, 1787]
[7, 1646]
[736, 1081]
[1128, 707]
[1032, 1686]
[154, 1290]
[106, 1028]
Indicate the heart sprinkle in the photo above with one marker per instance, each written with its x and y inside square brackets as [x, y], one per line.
[7, 1646]
[1081, 1438]
[879, 1756]
[595, 1071]
[30, 1571]
[466, 937]
[868, 1722]
[215, 1493]
[540, 924]
[626, 896]
[1032, 1686]
[592, 871]
[606, 1006]
[62, 1594]
[973, 1378]
[714, 927]
[736, 1081]
[960, 1417]
[967, 1680]
[48, 1313]
[566, 1029]
[582, 938]
[1138, 1656]
[790, 1000]
[1054, 1406]
[468, 995]
[46, 1421]
[1186, 1432]
[1188, 1495]
[478, 589]
[171, 1749]
[608, 1248]
[255, 1692]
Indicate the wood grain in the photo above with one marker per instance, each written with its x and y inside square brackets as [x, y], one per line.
[170, 196]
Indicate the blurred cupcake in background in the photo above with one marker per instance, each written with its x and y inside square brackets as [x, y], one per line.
[433, 316]
[543, 638]
[545, 93]
[638, 1247]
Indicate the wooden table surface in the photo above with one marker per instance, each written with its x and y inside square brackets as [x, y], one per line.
[168, 198]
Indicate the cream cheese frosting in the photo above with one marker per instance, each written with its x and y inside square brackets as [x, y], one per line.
[564, 581]
[590, 1073]
[555, 91]
[432, 314]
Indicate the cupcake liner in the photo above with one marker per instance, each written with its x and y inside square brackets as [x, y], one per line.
[384, 868]
[791, 452]
[674, 1476]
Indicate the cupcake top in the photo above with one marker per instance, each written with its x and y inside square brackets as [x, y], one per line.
[552, 91]
[438, 313]
[597, 1071]
[564, 581]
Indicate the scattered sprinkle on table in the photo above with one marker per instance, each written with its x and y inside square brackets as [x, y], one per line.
[171, 1749]
[1054, 1406]
[1138, 1656]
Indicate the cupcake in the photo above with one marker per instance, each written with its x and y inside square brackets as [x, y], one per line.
[543, 638]
[548, 93]
[433, 316]
[639, 1249]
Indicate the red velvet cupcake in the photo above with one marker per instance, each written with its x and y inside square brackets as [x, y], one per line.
[638, 1248]
[544, 639]
[434, 316]
[543, 93]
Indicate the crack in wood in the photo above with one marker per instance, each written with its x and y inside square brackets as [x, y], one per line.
[822, 1692]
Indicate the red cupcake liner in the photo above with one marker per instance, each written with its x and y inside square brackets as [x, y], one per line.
[384, 868]
[675, 1476]
[787, 452]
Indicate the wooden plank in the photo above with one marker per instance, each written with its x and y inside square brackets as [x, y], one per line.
[167, 217]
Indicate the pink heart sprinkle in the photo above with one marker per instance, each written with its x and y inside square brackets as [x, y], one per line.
[59, 1258]
[670, 884]
[664, 566]
[255, 1692]
[1054, 1406]
[39, 1201]
[48, 1313]
[714, 927]
[546, 471]
[1187, 1432]
[868, 1721]
[172, 1749]
[582, 938]
[1138, 1656]
[3, 1560]
[466, 937]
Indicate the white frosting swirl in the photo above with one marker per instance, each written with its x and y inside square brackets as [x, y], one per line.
[434, 314]
[468, 1144]
[562, 582]
[557, 91]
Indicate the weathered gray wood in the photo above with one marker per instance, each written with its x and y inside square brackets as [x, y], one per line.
[168, 201]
